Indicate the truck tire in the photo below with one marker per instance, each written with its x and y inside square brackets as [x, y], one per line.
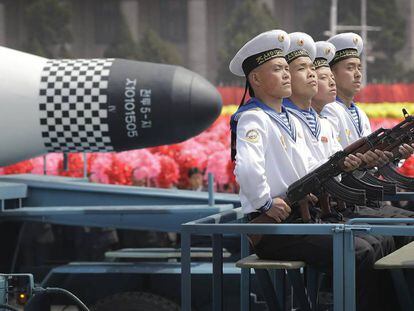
[135, 301]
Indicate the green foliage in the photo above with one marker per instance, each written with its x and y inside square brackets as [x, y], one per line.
[387, 42]
[154, 49]
[122, 46]
[151, 47]
[383, 45]
[246, 21]
[316, 19]
[47, 24]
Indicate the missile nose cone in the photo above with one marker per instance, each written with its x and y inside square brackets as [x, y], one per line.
[196, 104]
[205, 103]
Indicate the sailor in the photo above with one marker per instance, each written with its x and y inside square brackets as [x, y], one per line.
[271, 153]
[325, 52]
[265, 133]
[304, 56]
[326, 94]
[319, 133]
[349, 121]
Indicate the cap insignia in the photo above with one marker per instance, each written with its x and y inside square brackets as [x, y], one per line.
[355, 40]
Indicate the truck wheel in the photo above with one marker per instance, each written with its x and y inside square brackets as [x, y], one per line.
[135, 301]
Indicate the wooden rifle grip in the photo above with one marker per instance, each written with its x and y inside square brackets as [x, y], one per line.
[358, 146]
[324, 202]
[341, 206]
[304, 211]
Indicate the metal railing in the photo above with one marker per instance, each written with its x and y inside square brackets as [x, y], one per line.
[231, 222]
[374, 226]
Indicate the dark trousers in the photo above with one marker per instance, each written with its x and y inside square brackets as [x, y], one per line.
[386, 211]
[383, 211]
[373, 287]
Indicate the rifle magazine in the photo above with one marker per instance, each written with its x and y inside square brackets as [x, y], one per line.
[345, 193]
[389, 186]
[404, 182]
[373, 192]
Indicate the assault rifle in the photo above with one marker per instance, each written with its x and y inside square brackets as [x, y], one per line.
[389, 171]
[322, 178]
[403, 133]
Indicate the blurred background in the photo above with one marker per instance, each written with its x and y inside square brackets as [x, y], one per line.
[203, 35]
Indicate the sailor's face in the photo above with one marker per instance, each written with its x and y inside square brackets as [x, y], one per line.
[326, 86]
[304, 81]
[348, 76]
[275, 78]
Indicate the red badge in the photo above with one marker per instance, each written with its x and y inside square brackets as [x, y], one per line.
[324, 139]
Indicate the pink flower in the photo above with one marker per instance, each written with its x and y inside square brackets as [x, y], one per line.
[53, 161]
[170, 172]
[141, 173]
[37, 165]
[99, 166]
[18, 168]
[52, 164]
[218, 165]
[192, 152]
[142, 161]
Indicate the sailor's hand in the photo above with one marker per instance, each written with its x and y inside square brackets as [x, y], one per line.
[406, 150]
[352, 162]
[279, 210]
[384, 157]
[377, 158]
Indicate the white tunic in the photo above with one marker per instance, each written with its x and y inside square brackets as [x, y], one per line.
[324, 142]
[268, 159]
[346, 129]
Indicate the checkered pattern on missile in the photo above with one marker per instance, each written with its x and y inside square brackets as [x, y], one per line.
[73, 105]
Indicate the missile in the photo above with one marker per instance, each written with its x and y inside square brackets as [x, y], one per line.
[97, 105]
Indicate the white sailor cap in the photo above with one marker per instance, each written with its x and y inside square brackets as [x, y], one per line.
[347, 45]
[325, 52]
[301, 44]
[260, 49]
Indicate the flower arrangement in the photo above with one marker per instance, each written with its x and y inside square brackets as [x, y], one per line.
[168, 166]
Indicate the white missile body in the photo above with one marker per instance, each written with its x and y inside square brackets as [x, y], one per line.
[97, 105]
[20, 130]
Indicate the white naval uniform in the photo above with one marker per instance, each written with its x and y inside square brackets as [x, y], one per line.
[268, 159]
[324, 142]
[347, 130]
